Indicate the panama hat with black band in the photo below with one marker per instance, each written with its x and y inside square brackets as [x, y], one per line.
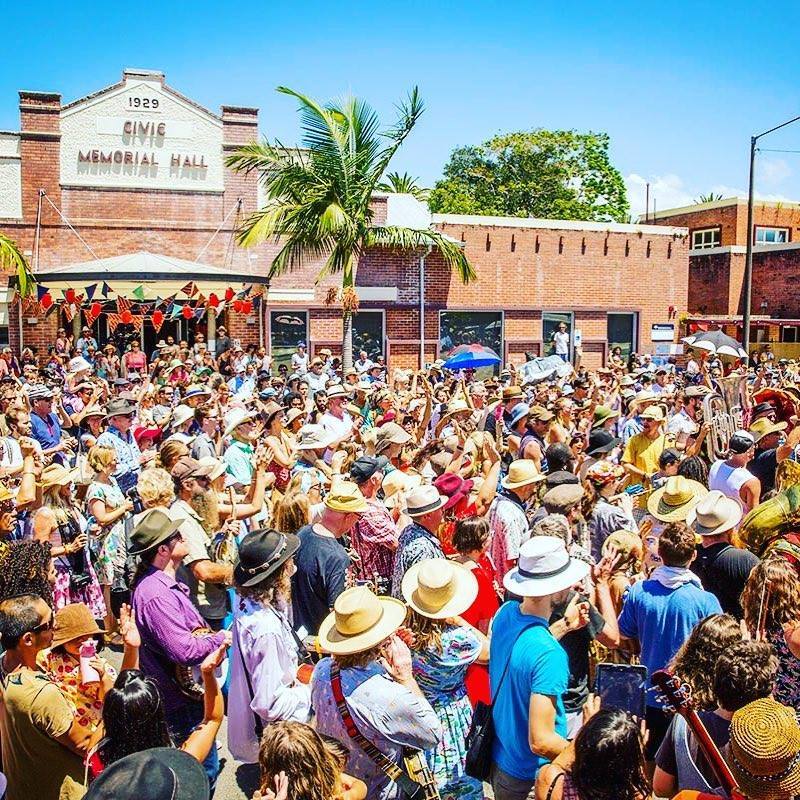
[261, 554]
[424, 500]
[544, 567]
[154, 528]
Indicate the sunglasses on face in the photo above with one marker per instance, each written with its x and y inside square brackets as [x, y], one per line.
[45, 626]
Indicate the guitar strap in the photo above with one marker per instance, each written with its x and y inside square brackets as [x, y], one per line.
[386, 765]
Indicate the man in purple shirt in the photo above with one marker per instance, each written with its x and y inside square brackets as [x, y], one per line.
[166, 619]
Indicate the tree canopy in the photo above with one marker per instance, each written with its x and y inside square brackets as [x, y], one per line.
[539, 173]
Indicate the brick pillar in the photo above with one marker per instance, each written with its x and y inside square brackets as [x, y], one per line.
[40, 150]
[239, 126]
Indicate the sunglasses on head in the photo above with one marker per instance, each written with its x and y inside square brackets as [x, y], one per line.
[45, 626]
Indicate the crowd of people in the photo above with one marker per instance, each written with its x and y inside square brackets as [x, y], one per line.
[347, 567]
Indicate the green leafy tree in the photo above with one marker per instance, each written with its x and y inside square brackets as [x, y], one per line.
[11, 258]
[539, 173]
[319, 196]
[403, 184]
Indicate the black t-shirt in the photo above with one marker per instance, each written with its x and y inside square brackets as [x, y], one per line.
[723, 570]
[576, 644]
[763, 466]
[321, 565]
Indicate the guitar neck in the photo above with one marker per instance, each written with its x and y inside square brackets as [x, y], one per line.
[712, 754]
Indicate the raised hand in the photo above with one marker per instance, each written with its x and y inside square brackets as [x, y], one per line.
[127, 628]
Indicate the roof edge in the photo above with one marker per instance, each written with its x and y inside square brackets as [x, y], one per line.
[556, 224]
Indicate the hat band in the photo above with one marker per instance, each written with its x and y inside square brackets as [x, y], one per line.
[528, 574]
[773, 776]
[270, 561]
[424, 509]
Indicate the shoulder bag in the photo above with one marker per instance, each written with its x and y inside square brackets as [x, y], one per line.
[480, 737]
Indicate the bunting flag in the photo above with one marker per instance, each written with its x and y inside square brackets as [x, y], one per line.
[190, 290]
[229, 294]
[69, 311]
[198, 313]
[258, 291]
[200, 300]
[157, 319]
[138, 293]
[41, 291]
[50, 310]
[137, 321]
[123, 304]
[106, 289]
[213, 301]
[46, 300]
[92, 313]
[113, 321]
[90, 290]
[175, 311]
[157, 303]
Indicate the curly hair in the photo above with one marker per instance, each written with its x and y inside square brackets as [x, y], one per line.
[694, 663]
[610, 744]
[277, 586]
[427, 632]
[297, 749]
[156, 487]
[100, 456]
[694, 468]
[745, 672]
[170, 452]
[25, 569]
[771, 595]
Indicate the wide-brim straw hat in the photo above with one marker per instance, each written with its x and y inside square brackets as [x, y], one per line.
[716, 513]
[360, 620]
[57, 475]
[73, 621]
[764, 427]
[235, 417]
[765, 750]
[522, 472]
[675, 499]
[438, 588]
[544, 567]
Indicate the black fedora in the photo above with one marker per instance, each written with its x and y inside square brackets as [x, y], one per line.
[262, 553]
[601, 442]
[161, 773]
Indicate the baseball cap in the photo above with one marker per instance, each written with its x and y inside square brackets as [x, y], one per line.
[741, 442]
[365, 467]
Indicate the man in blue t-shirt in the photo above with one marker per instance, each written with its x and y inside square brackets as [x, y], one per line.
[528, 668]
[660, 613]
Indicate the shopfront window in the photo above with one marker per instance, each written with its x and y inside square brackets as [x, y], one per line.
[368, 334]
[286, 329]
[557, 322]
[470, 327]
[621, 332]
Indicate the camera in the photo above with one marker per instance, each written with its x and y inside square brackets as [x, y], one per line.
[133, 495]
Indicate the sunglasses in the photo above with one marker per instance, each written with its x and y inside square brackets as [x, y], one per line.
[45, 626]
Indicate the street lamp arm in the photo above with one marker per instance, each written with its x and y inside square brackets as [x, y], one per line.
[776, 128]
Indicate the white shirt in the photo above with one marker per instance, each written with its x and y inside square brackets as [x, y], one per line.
[728, 480]
[300, 363]
[682, 423]
[561, 339]
[363, 366]
[337, 428]
[264, 646]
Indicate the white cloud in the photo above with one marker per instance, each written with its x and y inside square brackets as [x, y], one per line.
[772, 171]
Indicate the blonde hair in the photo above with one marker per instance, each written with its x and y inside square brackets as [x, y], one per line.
[52, 499]
[292, 513]
[156, 487]
[170, 452]
[771, 596]
[427, 632]
[100, 456]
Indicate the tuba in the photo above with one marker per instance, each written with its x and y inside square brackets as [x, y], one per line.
[773, 519]
[725, 411]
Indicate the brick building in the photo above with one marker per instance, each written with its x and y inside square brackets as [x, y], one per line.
[132, 177]
[718, 242]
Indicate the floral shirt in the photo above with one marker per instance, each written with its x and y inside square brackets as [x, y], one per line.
[415, 544]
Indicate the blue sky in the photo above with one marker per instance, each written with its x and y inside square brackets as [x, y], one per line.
[680, 87]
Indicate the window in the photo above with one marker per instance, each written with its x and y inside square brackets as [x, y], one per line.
[368, 333]
[551, 324]
[470, 327]
[771, 235]
[789, 334]
[286, 329]
[621, 332]
[706, 237]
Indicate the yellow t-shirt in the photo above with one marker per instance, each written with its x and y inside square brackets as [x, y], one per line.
[643, 453]
[32, 713]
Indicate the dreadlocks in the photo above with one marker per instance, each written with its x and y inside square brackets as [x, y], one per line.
[24, 569]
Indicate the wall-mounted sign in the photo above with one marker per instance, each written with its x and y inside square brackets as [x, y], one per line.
[662, 332]
[141, 135]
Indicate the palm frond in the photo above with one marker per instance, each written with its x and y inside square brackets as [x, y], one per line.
[11, 258]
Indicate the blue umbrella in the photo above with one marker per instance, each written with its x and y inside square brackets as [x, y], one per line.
[472, 356]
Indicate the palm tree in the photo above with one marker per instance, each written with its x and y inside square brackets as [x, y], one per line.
[318, 196]
[396, 183]
[11, 258]
[711, 197]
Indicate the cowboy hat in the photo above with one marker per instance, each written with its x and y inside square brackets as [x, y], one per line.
[313, 437]
[675, 499]
[187, 467]
[261, 554]
[73, 621]
[57, 475]
[544, 567]
[764, 427]
[642, 398]
[601, 442]
[236, 417]
[154, 527]
[216, 465]
[715, 513]
[346, 498]
[424, 500]
[457, 406]
[119, 407]
[360, 620]
[520, 473]
[437, 588]
[337, 390]
[511, 392]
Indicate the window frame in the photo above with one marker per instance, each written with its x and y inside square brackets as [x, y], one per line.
[498, 311]
[382, 312]
[713, 229]
[305, 338]
[777, 228]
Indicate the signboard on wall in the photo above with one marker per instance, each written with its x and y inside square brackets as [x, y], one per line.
[141, 135]
[662, 332]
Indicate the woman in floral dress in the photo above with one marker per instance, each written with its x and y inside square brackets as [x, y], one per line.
[443, 645]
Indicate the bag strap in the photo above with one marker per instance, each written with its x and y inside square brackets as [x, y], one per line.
[302, 650]
[384, 763]
[259, 725]
[511, 653]
[552, 787]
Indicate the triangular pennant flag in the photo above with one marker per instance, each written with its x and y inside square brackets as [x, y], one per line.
[198, 312]
[258, 291]
[41, 291]
[157, 319]
[113, 321]
[200, 300]
[190, 290]
[229, 294]
[106, 290]
[137, 321]
[69, 311]
[90, 290]
[157, 303]
[213, 301]
[175, 311]
[138, 292]
[123, 304]
[50, 310]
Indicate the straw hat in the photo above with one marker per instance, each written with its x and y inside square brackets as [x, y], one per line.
[360, 620]
[764, 427]
[346, 497]
[235, 417]
[520, 473]
[180, 415]
[675, 499]
[715, 513]
[390, 433]
[765, 750]
[312, 437]
[292, 414]
[396, 483]
[642, 398]
[653, 412]
[438, 588]
[544, 567]
[457, 406]
[72, 621]
[424, 500]
[57, 475]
